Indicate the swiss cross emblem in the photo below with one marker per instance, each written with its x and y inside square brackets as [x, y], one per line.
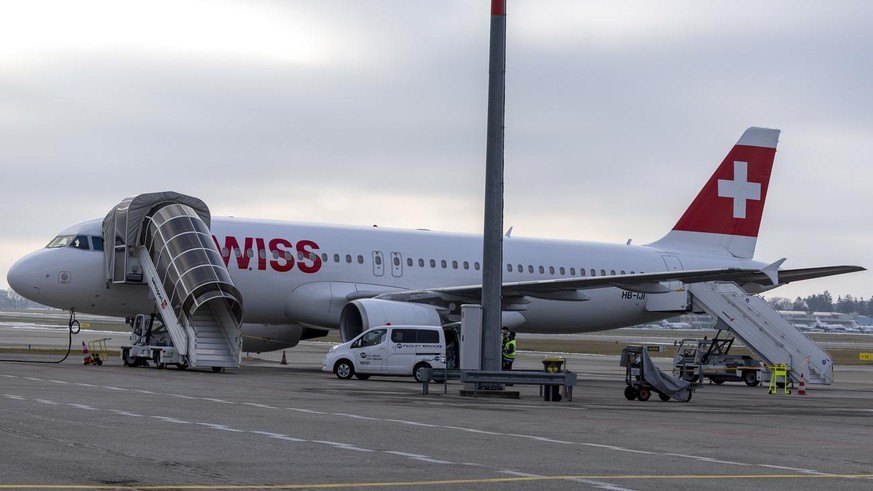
[740, 189]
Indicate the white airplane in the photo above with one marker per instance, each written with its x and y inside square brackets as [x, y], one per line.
[300, 280]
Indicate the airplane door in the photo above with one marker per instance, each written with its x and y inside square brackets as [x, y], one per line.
[677, 300]
[396, 264]
[378, 264]
[673, 263]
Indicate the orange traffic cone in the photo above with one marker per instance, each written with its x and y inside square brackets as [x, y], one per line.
[801, 391]
[86, 354]
[284, 361]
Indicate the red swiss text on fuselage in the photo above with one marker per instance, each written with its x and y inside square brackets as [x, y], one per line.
[277, 254]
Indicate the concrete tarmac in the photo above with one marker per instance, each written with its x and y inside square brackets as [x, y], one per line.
[272, 426]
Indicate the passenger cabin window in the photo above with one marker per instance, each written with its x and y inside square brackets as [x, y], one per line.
[466, 265]
[509, 268]
[476, 265]
[421, 263]
[409, 261]
[360, 259]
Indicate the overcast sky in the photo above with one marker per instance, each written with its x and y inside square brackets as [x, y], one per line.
[373, 112]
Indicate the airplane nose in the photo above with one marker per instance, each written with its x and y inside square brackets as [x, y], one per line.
[24, 277]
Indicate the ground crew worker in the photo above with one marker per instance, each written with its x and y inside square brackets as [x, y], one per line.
[508, 350]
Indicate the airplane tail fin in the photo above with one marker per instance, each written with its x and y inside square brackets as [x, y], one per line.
[725, 216]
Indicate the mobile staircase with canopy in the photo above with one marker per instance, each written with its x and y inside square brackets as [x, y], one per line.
[163, 240]
[751, 319]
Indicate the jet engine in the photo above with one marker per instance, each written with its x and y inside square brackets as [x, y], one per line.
[359, 315]
[271, 337]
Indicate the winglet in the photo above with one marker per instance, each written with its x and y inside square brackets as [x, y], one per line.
[772, 271]
[508, 233]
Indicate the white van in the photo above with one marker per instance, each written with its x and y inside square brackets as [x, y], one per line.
[388, 350]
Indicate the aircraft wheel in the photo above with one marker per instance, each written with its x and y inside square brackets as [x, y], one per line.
[644, 394]
[217, 369]
[344, 369]
[418, 372]
[751, 378]
[630, 393]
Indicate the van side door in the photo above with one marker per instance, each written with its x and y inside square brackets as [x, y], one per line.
[370, 350]
[401, 351]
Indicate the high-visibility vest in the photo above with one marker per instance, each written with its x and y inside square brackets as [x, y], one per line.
[509, 349]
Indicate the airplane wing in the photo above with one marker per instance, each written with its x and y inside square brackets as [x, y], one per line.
[571, 289]
[758, 283]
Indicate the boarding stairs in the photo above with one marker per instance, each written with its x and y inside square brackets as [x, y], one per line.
[763, 330]
[163, 240]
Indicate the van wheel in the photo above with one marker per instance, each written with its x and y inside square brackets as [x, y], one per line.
[344, 369]
[750, 377]
[362, 376]
[418, 372]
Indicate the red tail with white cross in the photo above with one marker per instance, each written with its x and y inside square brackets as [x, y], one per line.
[726, 214]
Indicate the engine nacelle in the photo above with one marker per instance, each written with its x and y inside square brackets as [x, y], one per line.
[259, 338]
[360, 315]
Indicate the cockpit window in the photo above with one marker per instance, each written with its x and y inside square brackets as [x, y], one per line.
[60, 241]
[81, 242]
[97, 242]
[77, 241]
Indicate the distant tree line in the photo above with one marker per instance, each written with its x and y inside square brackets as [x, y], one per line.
[824, 302]
[9, 300]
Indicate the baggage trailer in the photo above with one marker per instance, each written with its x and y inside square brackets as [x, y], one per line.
[643, 377]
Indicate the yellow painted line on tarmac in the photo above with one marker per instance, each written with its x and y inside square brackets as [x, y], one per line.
[496, 480]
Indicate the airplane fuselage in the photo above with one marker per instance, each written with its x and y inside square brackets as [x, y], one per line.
[302, 273]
